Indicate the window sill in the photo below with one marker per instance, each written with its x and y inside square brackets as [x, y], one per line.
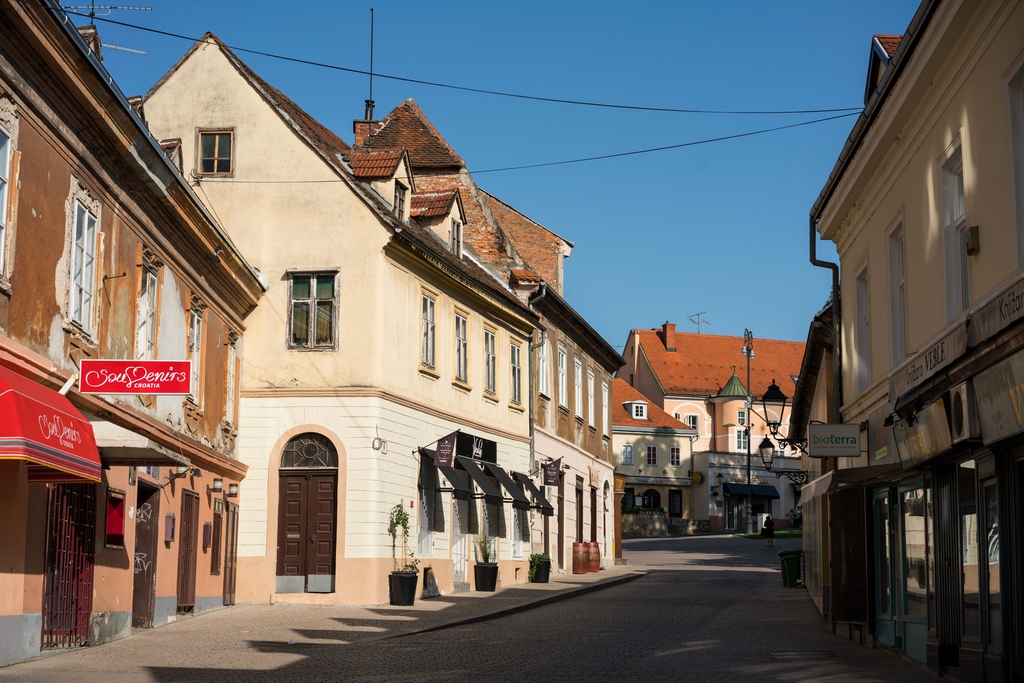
[593, 428]
[518, 407]
[493, 398]
[544, 394]
[429, 372]
[580, 419]
[459, 384]
[312, 349]
[564, 408]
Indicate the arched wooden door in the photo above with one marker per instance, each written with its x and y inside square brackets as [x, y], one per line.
[307, 515]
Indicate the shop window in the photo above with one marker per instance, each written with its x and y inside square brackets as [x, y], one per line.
[115, 519]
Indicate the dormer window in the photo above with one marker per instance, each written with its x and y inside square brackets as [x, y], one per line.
[637, 410]
[400, 191]
[455, 238]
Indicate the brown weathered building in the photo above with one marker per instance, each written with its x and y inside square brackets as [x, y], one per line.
[105, 253]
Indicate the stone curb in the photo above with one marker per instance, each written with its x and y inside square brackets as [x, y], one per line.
[533, 604]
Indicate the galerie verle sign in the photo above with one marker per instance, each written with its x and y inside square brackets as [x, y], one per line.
[164, 377]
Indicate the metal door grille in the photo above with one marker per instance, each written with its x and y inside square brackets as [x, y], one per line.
[67, 593]
[231, 554]
[188, 543]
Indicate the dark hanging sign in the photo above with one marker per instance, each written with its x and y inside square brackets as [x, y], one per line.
[923, 437]
[551, 470]
[881, 443]
[476, 447]
[999, 391]
[445, 453]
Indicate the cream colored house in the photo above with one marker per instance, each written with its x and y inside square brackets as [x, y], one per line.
[377, 337]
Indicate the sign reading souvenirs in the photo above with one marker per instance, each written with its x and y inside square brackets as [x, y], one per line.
[928, 361]
[551, 470]
[164, 377]
[833, 440]
[925, 436]
[999, 391]
[445, 453]
[476, 447]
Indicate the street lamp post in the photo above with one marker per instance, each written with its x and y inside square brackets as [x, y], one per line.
[748, 352]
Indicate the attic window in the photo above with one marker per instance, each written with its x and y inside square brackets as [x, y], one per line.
[215, 149]
[455, 238]
[400, 191]
[640, 411]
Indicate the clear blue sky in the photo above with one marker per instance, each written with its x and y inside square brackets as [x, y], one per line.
[720, 228]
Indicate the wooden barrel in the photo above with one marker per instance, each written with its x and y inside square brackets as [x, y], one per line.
[579, 559]
[597, 557]
[593, 557]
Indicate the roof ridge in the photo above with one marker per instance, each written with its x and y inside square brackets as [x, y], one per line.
[430, 126]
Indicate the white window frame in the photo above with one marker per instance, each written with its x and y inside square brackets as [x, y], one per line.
[232, 383]
[515, 379]
[544, 368]
[639, 411]
[577, 386]
[401, 193]
[692, 420]
[652, 455]
[428, 331]
[862, 330]
[675, 456]
[627, 454]
[455, 238]
[145, 315]
[83, 267]
[954, 220]
[741, 417]
[897, 292]
[490, 362]
[563, 380]
[6, 143]
[591, 417]
[742, 439]
[195, 354]
[606, 416]
[461, 348]
[313, 304]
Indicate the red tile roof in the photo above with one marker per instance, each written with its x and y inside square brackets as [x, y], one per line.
[429, 204]
[621, 417]
[703, 363]
[889, 43]
[375, 163]
[406, 126]
[539, 247]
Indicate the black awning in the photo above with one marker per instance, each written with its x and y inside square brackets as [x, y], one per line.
[545, 507]
[491, 493]
[519, 499]
[756, 490]
[460, 489]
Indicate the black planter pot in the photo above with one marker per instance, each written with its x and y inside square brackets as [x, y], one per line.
[403, 588]
[542, 571]
[486, 575]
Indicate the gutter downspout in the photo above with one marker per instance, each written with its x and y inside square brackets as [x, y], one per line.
[837, 366]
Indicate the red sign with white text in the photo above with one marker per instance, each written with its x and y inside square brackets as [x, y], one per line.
[164, 377]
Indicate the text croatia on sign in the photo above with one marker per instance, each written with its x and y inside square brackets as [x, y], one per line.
[163, 377]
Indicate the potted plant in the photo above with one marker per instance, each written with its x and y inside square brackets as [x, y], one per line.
[405, 576]
[486, 570]
[540, 568]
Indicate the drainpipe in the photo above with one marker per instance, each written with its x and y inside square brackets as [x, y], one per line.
[837, 367]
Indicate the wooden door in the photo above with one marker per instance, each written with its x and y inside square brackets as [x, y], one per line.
[593, 515]
[230, 554]
[147, 535]
[188, 546]
[307, 517]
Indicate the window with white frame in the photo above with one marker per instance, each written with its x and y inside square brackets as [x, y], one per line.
[195, 352]
[955, 236]
[577, 385]
[861, 335]
[591, 417]
[400, 192]
[517, 533]
[741, 417]
[145, 316]
[428, 331]
[652, 455]
[544, 369]
[461, 348]
[606, 415]
[490, 364]
[312, 311]
[455, 238]
[232, 382]
[627, 454]
[742, 437]
[673, 457]
[640, 411]
[515, 379]
[83, 268]
[563, 381]
[897, 294]
[5, 171]
[692, 421]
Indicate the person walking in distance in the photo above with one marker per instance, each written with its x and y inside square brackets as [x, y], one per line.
[769, 530]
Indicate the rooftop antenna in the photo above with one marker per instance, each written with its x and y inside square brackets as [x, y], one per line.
[105, 10]
[368, 116]
[698, 322]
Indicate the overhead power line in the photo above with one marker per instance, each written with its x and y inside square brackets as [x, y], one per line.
[482, 91]
[663, 148]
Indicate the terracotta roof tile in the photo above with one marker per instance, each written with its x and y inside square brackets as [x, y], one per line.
[406, 126]
[367, 164]
[703, 363]
[656, 417]
[429, 204]
[889, 43]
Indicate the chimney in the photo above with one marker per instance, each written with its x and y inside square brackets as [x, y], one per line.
[366, 127]
[668, 333]
[92, 39]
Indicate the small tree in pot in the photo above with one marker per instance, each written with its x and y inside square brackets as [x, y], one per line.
[486, 570]
[540, 568]
[405, 576]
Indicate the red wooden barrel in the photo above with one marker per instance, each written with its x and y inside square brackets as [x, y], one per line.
[593, 557]
[597, 556]
[579, 559]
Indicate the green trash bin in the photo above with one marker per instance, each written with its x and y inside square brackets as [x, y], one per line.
[790, 567]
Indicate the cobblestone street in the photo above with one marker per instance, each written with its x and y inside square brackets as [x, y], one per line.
[710, 608]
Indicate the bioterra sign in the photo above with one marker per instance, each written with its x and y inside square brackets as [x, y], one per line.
[833, 440]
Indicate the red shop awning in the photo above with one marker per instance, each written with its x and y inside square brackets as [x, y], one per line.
[40, 426]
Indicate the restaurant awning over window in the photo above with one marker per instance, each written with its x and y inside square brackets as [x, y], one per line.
[756, 490]
[519, 499]
[546, 508]
[41, 427]
[491, 494]
[460, 489]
